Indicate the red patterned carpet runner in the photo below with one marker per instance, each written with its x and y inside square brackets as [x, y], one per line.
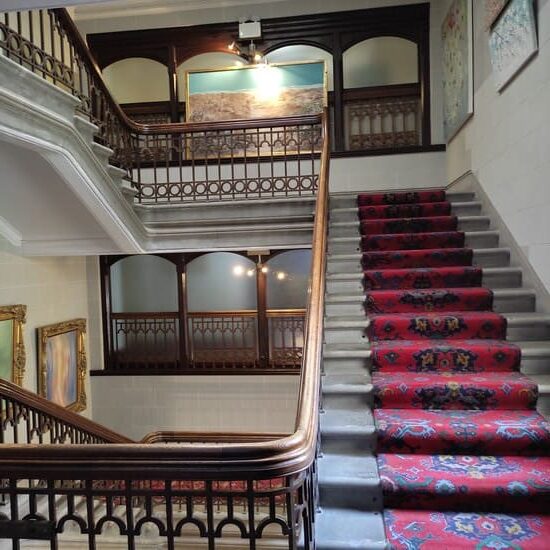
[463, 455]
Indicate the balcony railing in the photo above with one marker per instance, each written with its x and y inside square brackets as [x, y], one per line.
[218, 341]
[82, 480]
[168, 162]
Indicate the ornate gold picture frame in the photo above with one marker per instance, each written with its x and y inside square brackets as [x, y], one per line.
[12, 345]
[62, 364]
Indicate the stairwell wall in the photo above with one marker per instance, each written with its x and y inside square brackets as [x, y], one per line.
[506, 143]
[54, 289]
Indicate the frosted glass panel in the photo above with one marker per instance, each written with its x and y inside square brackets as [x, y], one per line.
[221, 281]
[144, 283]
[137, 80]
[287, 279]
[380, 61]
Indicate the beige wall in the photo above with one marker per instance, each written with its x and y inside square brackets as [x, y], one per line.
[506, 143]
[137, 79]
[54, 290]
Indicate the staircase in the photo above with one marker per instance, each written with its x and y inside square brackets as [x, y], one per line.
[351, 494]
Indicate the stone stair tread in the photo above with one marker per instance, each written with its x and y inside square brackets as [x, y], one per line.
[355, 223]
[354, 470]
[349, 529]
[344, 388]
[350, 422]
[352, 297]
[356, 256]
[345, 378]
[356, 239]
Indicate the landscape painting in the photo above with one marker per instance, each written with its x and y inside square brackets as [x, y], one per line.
[62, 364]
[458, 90]
[512, 41]
[256, 91]
[12, 348]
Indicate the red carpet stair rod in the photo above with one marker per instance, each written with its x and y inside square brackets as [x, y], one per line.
[463, 455]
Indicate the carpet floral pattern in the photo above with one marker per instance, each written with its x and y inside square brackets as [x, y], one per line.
[463, 456]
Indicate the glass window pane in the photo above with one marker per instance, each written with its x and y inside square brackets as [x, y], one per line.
[287, 279]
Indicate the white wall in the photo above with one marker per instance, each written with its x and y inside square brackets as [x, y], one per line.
[506, 143]
[54, 289]
[135, 406]
[387, 172]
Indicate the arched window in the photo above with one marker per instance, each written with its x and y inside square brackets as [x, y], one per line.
[287, 279]
[137, 80]
[380, 61]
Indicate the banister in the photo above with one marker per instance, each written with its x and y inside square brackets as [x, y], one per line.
[18, 395]
[210, 460]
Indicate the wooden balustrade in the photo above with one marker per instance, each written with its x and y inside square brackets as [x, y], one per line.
[219, 341]
[383, 117]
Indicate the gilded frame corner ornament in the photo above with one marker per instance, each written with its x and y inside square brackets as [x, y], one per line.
[46, 332]
[17, 314]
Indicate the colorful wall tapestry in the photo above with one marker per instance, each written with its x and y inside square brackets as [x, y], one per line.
[458, 92]
[492, 10]
[512, 41]
[256, 91]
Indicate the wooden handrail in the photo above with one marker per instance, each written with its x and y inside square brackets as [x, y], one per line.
[18, 395]
[201, 437]
[206, 459]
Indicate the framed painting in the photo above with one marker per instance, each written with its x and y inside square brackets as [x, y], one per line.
[12, 346]
[62, 364]
[458, 63]
[256, 91]
[512, 41]
[493, 9]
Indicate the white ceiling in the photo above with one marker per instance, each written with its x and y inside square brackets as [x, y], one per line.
[9, 5]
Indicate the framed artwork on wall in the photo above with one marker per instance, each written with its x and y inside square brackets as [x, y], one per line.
[62, 364]
[458, 63]
[12, 345]
[256, 91]
[512, 41]
[493, 8]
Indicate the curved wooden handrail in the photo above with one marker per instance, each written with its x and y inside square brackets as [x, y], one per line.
[165, 436]
[202, 458]
[18, 395]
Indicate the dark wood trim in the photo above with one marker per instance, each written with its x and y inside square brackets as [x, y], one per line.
[390, 151]
[261, 307]
[173, 84]
[182, 305]
[382, 92]
[106, 307]
[206, 369]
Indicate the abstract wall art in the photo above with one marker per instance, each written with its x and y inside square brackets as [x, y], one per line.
[62, 364]
[493, 8]
[458, 92]
[512, 41]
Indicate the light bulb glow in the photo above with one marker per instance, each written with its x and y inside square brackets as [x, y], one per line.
[265, 269]
[268, 82]
[281, 275]
[250, 272]
[238, 270]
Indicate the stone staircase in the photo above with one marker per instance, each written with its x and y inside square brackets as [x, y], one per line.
[350, 494]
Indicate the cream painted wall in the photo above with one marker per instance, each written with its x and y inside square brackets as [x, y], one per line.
[380, 61]
[135, 406]
[53, 289]
[137, 79]
[507, 143]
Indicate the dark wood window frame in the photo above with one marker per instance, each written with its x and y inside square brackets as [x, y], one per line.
[333, 32]
[184, 364]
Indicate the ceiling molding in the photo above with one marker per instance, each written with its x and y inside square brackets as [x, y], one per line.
[140, 8]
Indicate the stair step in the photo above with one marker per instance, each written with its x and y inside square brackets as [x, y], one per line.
[505, 300]
[483, 257]
[493, 277]
[349, 481]
[347, 431]
[473, 239]
[349, 529]
[344, 395]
